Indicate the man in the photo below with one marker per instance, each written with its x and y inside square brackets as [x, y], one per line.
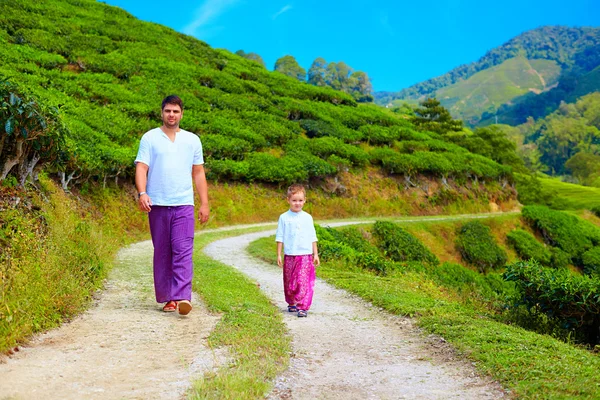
[169, 162]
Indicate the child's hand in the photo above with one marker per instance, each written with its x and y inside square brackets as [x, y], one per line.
[279, 261]
[316, 261]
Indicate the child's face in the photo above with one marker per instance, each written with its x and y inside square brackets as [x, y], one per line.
[296, 201]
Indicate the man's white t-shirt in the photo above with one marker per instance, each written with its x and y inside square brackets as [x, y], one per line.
[296, 230]
[170, 166]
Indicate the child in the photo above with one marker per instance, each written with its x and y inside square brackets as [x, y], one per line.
[296, 235]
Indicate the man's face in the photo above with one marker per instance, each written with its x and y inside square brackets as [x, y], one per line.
[171, 115]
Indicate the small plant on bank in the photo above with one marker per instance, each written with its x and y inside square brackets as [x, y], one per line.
[571, 299]
[591, 261]
[478, 247]
[571, 234]
[399, 245]
[527, 247]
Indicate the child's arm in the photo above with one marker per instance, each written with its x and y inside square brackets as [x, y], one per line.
[316, 260]
[279, 259]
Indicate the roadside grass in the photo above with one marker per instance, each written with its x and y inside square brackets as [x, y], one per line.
[527, 364]
[251, 327]
[568, 196]
[55, 250]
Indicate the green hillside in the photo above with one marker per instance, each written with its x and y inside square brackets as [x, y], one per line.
[107, 72]
[489, 89]
[502, 85]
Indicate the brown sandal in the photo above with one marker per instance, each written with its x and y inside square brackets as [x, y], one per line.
[171, 306]
[184, 307]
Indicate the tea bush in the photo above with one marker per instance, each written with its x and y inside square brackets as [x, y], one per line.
[571, 234]
[349, 245]
[572, 300]
[399, 245]
[591, 261]
[478, 247]
[527, 247]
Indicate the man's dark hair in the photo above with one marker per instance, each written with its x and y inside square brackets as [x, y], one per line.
[172, 99]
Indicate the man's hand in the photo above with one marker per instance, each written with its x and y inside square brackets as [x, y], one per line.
[145, 203]
[203, 213]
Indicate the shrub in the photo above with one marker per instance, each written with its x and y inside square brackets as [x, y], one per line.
[467, 281]
[313, 165]
[349, 244]
[228, 170]
[327, 146]
[572, 300]
[596, 211]
[478, 247]
[218, 147]
[399, 245]
[559, 258]
[591, 261]
[573, 235]
[527, 247]
[265, 167]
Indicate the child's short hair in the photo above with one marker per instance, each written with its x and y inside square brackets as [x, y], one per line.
[295, 188]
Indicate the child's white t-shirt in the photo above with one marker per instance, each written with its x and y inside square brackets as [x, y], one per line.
[170, 166]
[296, 230]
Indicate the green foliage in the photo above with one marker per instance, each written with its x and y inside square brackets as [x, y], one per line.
[572, 300]
[493, 143]
[571, 234]
[349, 245]
[556, 43]
[559, 258]
[33, 135]
[110, 73]
[288, 65]
[268, 168]
[478, 247]
[584, 167]
[527, 247]
[591, 261]
[399, 245]
[432, 116]
[596, 211]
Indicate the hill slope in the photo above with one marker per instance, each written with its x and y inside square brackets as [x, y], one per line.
[554, 53]
[109, 71]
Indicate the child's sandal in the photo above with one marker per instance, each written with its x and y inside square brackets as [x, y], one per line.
[292, 309]
[302, 313]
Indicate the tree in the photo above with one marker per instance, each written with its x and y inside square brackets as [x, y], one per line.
[252, 56]
[360, 86]
[33, 134]
[316, 72]
[288, 65]
[584, 166]
[561, 138]
[433, 117]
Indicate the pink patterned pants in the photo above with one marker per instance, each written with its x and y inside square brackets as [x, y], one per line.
[299, 280]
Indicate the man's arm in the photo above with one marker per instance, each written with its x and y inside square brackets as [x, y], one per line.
[141, 179]
[199, 178]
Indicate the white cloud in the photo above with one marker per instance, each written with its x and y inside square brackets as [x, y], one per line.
[207, 13]
[284, 9]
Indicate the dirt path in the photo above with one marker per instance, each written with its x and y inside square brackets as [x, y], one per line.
[123, 347]
[346, 349]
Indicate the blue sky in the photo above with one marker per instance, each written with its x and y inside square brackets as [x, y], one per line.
[397, 43]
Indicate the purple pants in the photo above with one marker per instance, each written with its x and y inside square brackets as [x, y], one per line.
[172, 230]
[299, 280]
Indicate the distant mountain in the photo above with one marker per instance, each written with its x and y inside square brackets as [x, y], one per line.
[528, 75]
